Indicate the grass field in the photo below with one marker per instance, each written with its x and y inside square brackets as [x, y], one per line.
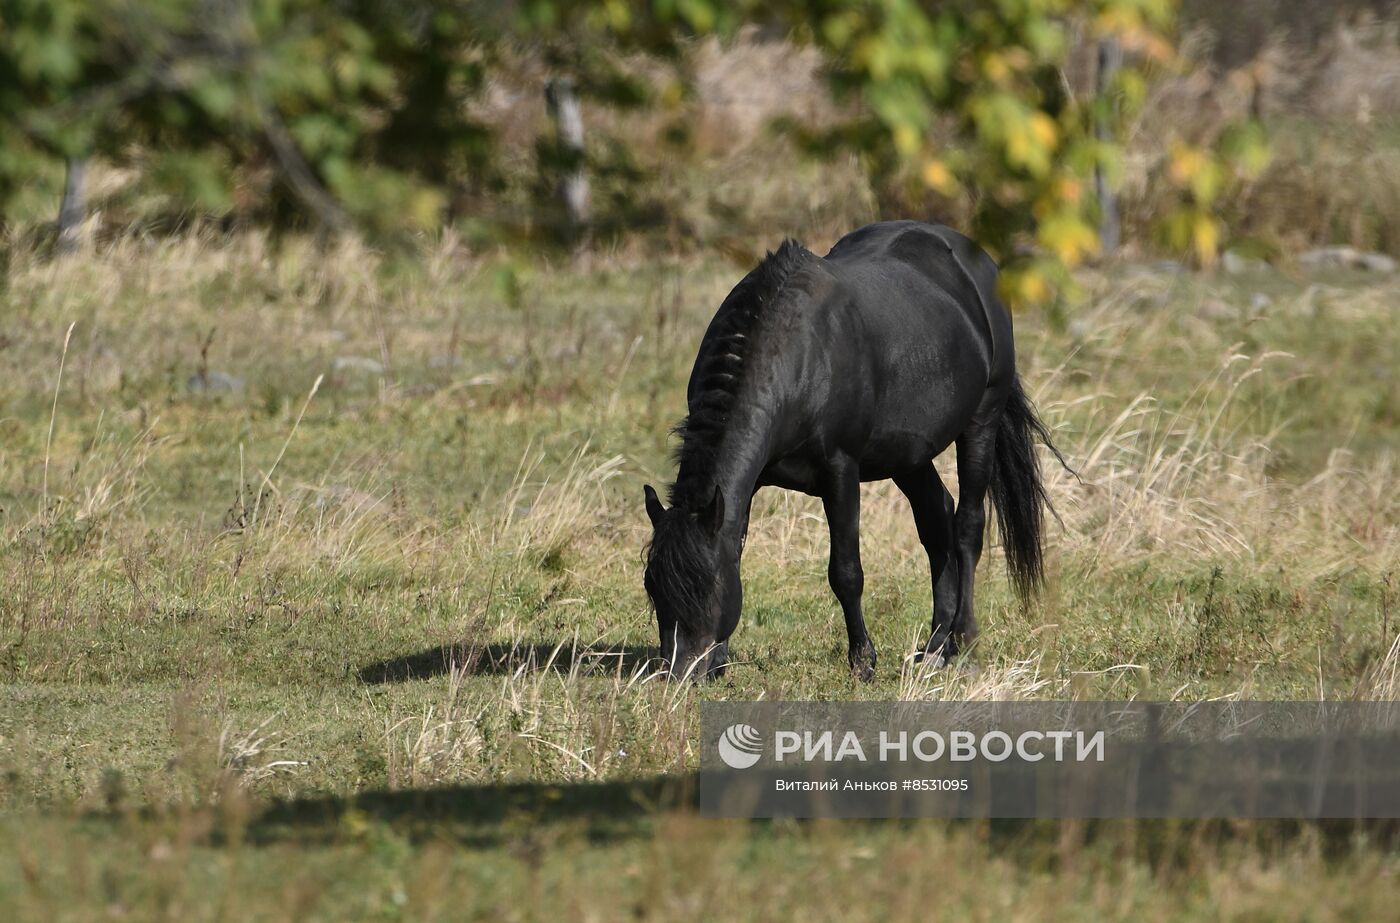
[320, 593]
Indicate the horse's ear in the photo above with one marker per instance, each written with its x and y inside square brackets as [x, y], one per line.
[712, 516]
[654, 507]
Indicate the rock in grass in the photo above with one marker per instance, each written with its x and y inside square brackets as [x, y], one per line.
[214, 383]
[1216, 309]
[361, 364]
[1236, 265]
[1348, 258]
[1378, 262]
[445, 362]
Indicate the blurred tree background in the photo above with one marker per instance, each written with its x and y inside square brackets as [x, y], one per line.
[1023, 121]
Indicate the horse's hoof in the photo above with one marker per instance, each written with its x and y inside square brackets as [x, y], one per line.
[930, 660]
[862, 661]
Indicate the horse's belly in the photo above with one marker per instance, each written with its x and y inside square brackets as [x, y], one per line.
[794, 473]
[915, 425]
[895, 453]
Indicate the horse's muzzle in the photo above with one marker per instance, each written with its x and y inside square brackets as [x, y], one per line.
[709, 664]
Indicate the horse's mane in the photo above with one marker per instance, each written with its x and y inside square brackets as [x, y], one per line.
[729, 342]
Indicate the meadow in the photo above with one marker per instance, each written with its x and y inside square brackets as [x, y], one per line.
[321, 591]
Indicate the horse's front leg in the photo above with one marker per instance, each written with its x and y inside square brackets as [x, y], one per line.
[841, 497]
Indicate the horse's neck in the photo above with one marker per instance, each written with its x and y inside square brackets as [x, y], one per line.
[733, 465]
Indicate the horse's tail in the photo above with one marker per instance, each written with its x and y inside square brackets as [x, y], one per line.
[1018, 492]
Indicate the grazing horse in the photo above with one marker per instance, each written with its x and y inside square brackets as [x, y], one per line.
[818, 373]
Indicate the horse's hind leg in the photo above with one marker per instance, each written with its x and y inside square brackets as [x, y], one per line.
[841, 498]
[933, 515]
[976, 455]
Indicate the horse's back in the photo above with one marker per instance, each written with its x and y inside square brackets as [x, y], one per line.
[943, 269]
[883, 352]
[905, 346]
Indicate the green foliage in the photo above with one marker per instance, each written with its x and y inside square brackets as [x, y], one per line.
[965, 103]
[360, 110]
[50, 52]
[1203, 175]
[962, 106]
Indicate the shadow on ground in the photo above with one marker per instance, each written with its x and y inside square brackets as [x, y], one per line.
[501, 658]
[483, 815]
[494, 815]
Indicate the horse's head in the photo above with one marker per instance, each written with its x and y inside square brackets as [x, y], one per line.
[693, 581]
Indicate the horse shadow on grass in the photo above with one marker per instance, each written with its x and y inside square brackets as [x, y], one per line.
[502, 658]
[483, 816]
[522, 814]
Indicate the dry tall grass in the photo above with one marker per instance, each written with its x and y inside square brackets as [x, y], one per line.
[491, 507]
[417, 587]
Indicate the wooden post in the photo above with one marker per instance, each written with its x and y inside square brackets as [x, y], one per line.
[564, 110]
[1110, 230]
[72, 212]
[4, 253]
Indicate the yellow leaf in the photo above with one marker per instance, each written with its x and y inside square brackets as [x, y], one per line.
[1205, 185]
[1035, 287]
[1044, 129]
[1025, 146]
[1205, 238]
[1069, 238]
[1069, 189]
[1186, 163]
[938, 177]
[1025, 287]
[995, 68]
[875, 56]
[906, 139]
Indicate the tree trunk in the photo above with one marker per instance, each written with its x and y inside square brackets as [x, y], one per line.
[567, 116]
[1110, 230]
[72, 212]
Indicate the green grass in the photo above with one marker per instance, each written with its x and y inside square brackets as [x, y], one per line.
[222, 682]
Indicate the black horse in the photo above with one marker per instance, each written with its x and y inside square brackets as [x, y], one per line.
[818, 373]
